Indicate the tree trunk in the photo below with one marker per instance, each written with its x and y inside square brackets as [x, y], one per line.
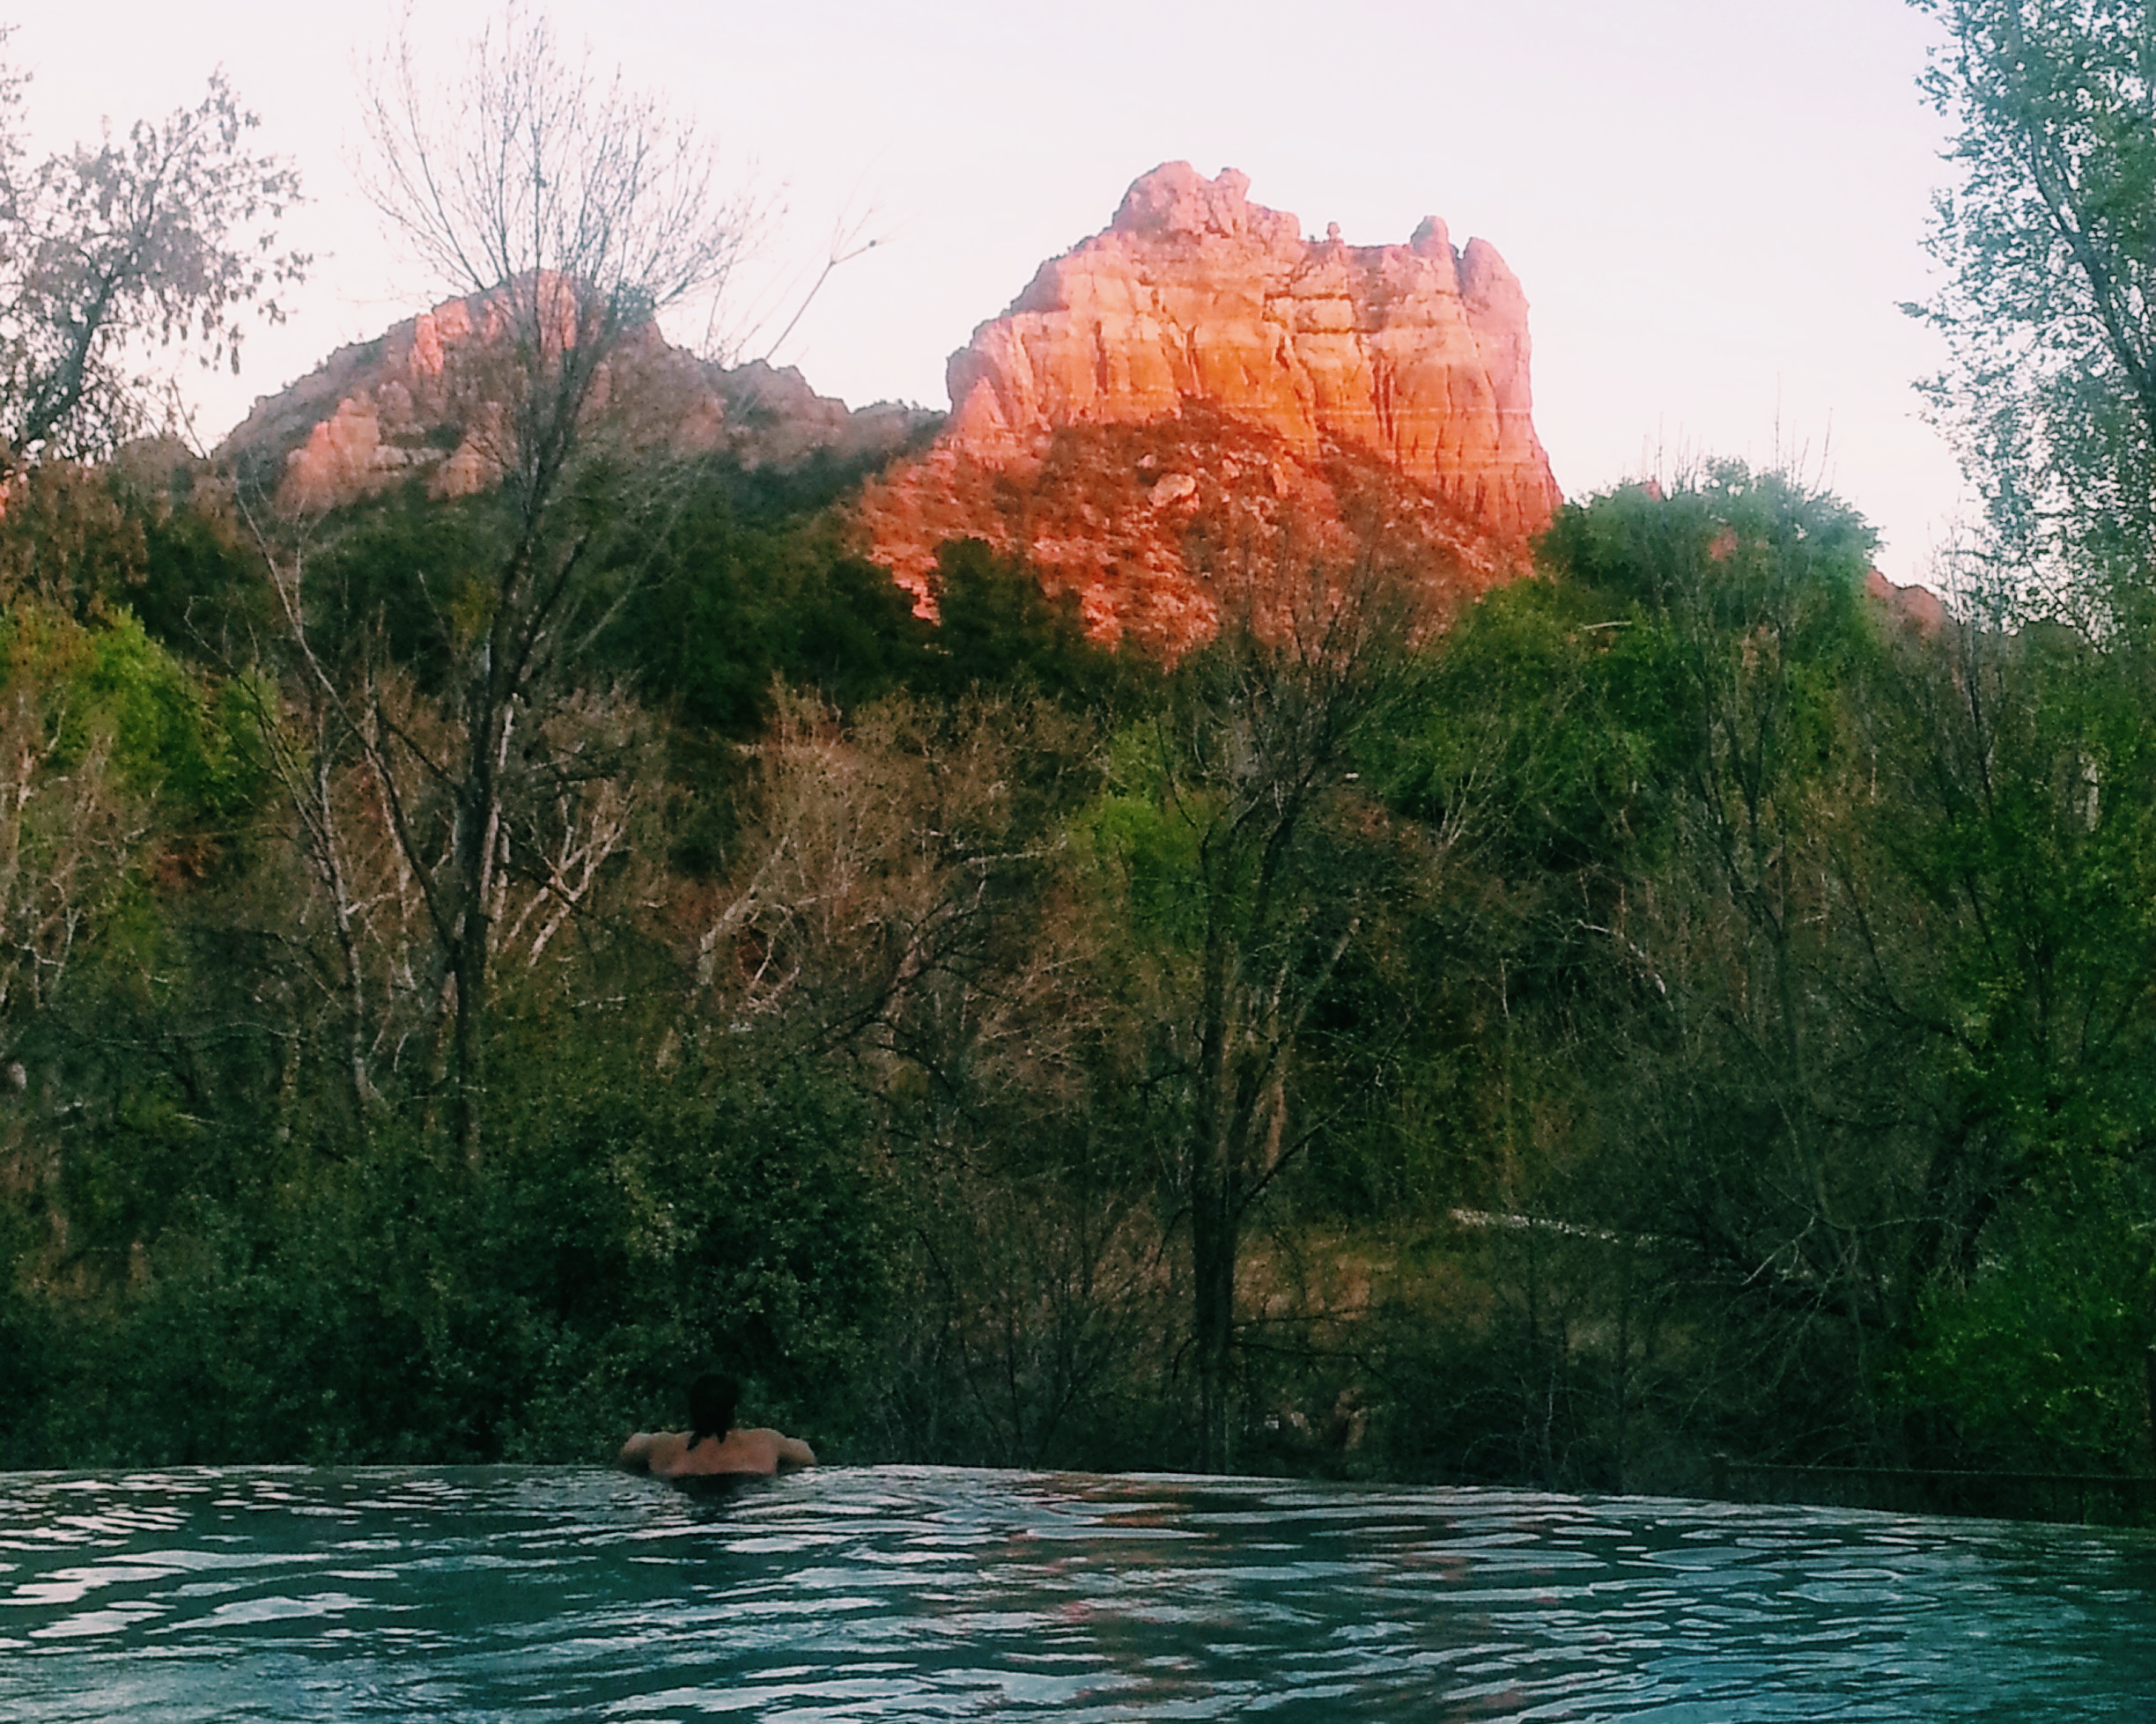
[1213, 1207]
[478, 816]
[2151, 1362]
[1213, 1264]
[471, 1037]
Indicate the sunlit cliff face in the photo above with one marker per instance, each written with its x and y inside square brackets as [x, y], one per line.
[1197, 402]
[428, 399]
[1200, 385]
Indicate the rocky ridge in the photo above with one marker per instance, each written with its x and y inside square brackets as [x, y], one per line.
[416, 402]
[1200, 391]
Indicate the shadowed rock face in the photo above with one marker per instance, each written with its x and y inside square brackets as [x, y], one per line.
[1286, 388]
[424, 401]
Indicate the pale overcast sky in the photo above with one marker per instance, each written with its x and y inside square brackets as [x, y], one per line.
[1715, 205]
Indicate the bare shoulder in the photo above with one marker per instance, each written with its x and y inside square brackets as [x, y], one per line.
[784, 1451]
[650, 1451]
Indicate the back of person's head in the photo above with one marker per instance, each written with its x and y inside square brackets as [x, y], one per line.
[712, 1399]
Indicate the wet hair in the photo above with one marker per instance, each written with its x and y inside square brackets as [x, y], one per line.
[712, 1399]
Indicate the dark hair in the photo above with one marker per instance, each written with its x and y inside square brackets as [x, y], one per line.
[712, 1399]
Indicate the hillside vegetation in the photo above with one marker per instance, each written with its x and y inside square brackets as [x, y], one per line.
[1672, 1009]
[476, 956]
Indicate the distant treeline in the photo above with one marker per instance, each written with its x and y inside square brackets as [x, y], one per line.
[1672, 1008]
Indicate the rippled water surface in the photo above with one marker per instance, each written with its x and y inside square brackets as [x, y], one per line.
[482, 1593]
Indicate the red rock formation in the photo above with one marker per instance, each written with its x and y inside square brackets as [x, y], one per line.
[1914, 607]
[1199, 375]
[425, 400]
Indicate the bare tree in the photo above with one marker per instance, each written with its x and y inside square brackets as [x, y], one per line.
[380, 965]
[574, 209]
[167, 237]
[68, 838]
[903, 895]
[881, 875]
[578, 207]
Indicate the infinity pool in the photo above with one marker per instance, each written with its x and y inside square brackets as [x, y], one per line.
[905, 1592]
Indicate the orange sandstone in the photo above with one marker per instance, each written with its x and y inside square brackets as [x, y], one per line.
[428, 400]
[1202, 376]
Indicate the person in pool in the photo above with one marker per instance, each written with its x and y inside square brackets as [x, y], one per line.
[712, 1444]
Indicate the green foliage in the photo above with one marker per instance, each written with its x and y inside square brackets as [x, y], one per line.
[1565, 715]
[751, 594]
[1000, 630]
[2048, 310]
[405, 576]
[403, 1307]
[1643, 763]
[1734, 547]
[1150, 837]
[171, 736]
[140, 533]
[1669, 1011]
[2036, 1362]
[1540, 701]
[750, 588]
[201, 594]
[2039, 834]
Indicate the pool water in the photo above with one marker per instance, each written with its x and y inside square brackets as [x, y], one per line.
[928, 1593]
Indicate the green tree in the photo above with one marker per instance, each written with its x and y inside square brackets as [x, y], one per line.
[1654, 760]
[1754, 1066]
[2033, 1358]
[2048, 244]
[1241, 843]
[2021, 835]
[2027, 846]
[998, 629]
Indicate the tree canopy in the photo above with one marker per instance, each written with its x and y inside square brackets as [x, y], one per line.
[2048, 238]
[163, 237]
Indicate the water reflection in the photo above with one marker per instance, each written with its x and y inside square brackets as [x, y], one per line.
[927, 1594]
